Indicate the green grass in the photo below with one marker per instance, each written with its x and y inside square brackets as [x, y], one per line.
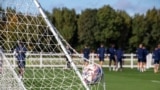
[128, 79]
[131, 79]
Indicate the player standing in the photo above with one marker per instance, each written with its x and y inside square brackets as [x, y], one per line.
[101, 51]
[140, 53]
[112, 57]
[145, 53]
[156, 59]
[86, 52]
[119, 55]
[21, 51]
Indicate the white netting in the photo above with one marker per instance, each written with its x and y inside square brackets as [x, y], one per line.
[46, 53]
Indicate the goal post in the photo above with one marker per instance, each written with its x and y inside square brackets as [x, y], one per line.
[60, 43]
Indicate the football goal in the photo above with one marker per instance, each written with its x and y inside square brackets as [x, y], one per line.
[48, 64]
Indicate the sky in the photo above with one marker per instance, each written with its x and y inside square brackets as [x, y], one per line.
[130, 6]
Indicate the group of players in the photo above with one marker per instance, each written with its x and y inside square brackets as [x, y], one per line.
[142, 53]
[116, 56]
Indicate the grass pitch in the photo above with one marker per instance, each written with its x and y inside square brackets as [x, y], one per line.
[132, 79]
[128, 79]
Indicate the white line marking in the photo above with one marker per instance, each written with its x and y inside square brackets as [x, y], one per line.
[155, 81]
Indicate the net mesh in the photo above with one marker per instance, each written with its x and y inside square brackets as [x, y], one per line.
[20, 20]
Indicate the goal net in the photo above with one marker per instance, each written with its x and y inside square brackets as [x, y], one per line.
[48, 64]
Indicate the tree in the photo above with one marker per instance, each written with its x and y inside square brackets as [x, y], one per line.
[65, 21]
[108, 31]
[153, 26]
[87, 27]
[123, 25]
[146, 29]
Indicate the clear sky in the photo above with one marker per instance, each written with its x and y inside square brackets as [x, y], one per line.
[130, 6]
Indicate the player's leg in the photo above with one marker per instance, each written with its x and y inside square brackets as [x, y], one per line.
[118, 65]
[21, 68]
[155, 68]
[101, 60]
[138, 64]
[120, 62]
[144, 65]
[156, 65]
[68, 63]
[115, 63]
[110, 63]
[141, 66]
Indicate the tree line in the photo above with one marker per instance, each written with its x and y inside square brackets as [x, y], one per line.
[104, 25]
[108, 26]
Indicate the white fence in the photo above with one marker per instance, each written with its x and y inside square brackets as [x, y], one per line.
[39, 60]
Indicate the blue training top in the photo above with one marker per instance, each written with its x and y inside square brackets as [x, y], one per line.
[86, 53]
[155, 55]
[101, 51]
[159, 54]
[21, 52]
[112, 52]
[145, 52]
[119, 54]
[140, 53]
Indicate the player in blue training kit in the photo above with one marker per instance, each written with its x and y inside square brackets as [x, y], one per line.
[140, 56]
[145, 53]
[112, 57]
[101, 51]
[21, 51]
[155, 57]
[86, 52]
[119, 55]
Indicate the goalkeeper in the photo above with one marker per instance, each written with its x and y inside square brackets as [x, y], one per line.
[21, 51]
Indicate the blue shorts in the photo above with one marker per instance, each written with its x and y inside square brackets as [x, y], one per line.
[144, 60]
[140, 60]
[119, 59]
[101, 58]
[112, 58]
[21, 64]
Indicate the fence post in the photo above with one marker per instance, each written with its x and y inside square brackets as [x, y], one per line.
[92, 56]
[14, 59]
[132, 60]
